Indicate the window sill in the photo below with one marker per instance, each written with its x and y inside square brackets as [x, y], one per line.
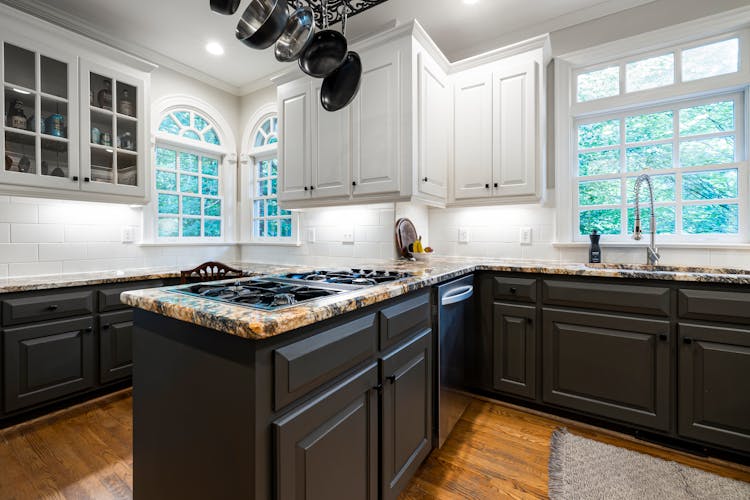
[709, 245]
[271, 243]
[185, 244]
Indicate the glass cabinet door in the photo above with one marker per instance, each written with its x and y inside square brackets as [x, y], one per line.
[37, 120]
[112, 152]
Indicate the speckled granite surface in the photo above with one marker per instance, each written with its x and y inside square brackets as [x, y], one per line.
[257, 324]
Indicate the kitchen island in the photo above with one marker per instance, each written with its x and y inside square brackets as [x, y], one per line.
[334, 398]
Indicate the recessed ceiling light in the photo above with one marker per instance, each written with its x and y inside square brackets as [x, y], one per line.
[214, 48]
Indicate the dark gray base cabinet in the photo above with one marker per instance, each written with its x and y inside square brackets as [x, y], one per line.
[608, 365]
[328, 448]
[115, 346]
[714, 370]
[406, 413]
[47, 361]
[514, 349]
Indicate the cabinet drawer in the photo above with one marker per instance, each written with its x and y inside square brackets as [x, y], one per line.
[404, 318]
[44, 362]
[48, 306]
[109, 298]
[610, 297]
[302, 366]
[115, 346]
[514, 289]
[612, 366]
[708, 304]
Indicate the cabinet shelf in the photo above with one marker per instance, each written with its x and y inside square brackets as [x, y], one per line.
[129, 152]
[16, 88]
[53, 97]
[127, 117]
[101, 111]
[55, 138]
[20, 131]
[102, 147]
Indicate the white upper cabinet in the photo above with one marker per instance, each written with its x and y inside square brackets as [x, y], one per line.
[375, 116]
[472, 157]
[331, 150]
[113, 153]
[75, 123]
[514, 165]
[40, 126]
[497, 130]
[434, 128]
[294, 140]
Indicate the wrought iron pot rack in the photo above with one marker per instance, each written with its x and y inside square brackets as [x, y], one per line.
[335, 8]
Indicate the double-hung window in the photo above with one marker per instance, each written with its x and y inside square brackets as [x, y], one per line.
[676, 114]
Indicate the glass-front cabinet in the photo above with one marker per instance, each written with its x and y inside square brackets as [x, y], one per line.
[112, 139]
[40, 118]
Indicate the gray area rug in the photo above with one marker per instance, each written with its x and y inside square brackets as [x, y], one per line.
[580, 468]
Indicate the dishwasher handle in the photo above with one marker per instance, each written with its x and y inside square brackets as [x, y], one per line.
[456, 295]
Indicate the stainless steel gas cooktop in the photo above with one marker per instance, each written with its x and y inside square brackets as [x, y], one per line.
[275, 292]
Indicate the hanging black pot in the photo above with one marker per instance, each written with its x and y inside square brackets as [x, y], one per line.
[296, 36]
[340, 87]
[326, 51]
[262, 23]
[226, 7]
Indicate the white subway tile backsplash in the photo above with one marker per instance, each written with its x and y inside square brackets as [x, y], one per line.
[104, 232]
[61, 251]
[34, 268]
[18, 213]
[18, 253]
[4, 233]
[36, 233]
[3, 268]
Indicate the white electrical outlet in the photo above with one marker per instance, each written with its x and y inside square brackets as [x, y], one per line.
[348, 235]
[128, 234]
[311, 235]
[463, 235]
[525, 236]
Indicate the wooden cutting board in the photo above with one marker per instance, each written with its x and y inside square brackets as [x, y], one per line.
[406, 234]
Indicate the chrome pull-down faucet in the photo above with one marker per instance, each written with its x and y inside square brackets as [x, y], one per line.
[652, 253]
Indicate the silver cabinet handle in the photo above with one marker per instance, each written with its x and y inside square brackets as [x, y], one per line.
[457, 295]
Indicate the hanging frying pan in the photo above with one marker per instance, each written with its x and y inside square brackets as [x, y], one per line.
[226, 7]
[262, 23]
[340, 87]
[326, 51]
[297, 35]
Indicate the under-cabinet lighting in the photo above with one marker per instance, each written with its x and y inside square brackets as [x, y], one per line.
[20, 91]
[214, 48]
[470, 2]
[109, 151]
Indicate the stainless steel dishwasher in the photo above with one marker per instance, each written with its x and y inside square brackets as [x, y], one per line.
[455, 320]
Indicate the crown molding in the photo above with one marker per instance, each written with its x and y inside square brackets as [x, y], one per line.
[140, 56]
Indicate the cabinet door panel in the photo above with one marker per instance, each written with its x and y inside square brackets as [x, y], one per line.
[375, 115]
[514, 132]
[434, 143]
[327, 449]
[294, 140]
[46, 361]
[612, 366]
[406, 413]
[472, 151]
[115, 346]
[714, 364]
[331, 152]
[514, 349]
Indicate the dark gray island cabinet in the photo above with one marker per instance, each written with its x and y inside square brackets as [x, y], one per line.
[666, 357]
[338, 410]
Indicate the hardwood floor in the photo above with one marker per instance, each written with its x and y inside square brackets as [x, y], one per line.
[495, 451]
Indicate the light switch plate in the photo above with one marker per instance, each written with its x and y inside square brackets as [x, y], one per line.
[463, 235]
[525, 236]
[310, 235]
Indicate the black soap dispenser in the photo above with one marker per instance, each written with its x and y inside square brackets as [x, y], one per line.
[595, 251]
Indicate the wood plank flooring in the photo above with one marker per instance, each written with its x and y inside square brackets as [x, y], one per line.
[495, 451]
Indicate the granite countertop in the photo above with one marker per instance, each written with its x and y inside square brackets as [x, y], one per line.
[258, 324]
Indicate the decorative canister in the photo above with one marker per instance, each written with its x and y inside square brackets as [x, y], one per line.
[96, 135]
[125, 141]
[106, 139]
[55, 125]
[104, 96]
[125, 104]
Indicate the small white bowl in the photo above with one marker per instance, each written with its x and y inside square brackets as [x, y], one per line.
[423, 256]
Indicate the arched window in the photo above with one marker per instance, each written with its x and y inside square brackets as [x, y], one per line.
[191, 125]
[270, 224]
[188, 177]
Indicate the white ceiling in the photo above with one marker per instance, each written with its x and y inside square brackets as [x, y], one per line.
[174, 33]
